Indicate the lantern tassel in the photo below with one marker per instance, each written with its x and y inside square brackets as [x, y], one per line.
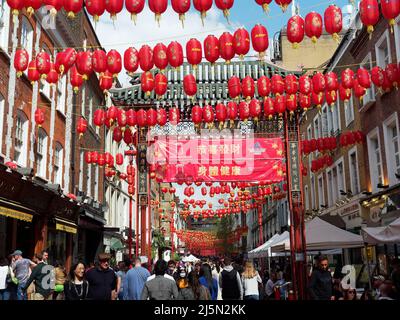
[336, 37]
[295, 45]
[314, 39]
[158, 18]
[391, 23]
[265, 7]
[71, 15]
[182, 19]
[226, 15]
[134, 18]
[370, 30]
[30, 11]
[203, 16]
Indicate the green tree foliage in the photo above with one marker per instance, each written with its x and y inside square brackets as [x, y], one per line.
[224, 231]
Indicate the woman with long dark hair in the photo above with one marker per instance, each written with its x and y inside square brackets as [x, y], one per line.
[200, 292]
[76, 287]
[208, 281]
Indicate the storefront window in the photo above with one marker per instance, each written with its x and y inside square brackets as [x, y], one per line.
[57, 246]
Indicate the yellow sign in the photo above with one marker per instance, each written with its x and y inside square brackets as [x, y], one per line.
[63, 227]
[15, 214]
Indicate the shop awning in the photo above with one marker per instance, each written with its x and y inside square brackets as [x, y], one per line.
[16, 214]
[388, 234]
[116, 244]
[66, 226]
[264, 249]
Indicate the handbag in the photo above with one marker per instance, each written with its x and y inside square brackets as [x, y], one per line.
[11, 277]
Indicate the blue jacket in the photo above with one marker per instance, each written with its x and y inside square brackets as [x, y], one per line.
[134, 282]
[213, 290]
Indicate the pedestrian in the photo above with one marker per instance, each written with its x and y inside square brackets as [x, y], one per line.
[395, 277]
[194, 291]
[366, 295]
[386, 290]
[270, 286]
[320, 287]
[45, 255]
[182, 281]
[21, 268]
[134, 281]
[160, 288]
[5, 279]
[376, 283]
[349, 294]
[250, 281]
[121, 274]
[172, 269]
[197, 267]
[206, 279]
[60, 278]
[42, 276]
[230, 282]
[77, 287]
[102, 280]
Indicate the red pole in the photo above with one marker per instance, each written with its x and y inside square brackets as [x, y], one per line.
[259, 209]
[172, 236]
[130, 228]
[137, 204]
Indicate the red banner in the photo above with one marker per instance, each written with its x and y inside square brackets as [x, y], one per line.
[235, 159]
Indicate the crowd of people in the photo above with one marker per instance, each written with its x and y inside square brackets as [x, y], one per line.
[23, 279]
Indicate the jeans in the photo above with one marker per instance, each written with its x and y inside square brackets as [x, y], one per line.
[21, 295]
[4, 294]
[121, 295]
[252, 297]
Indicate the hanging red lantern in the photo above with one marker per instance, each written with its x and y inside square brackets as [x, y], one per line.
[393, 73]
[113, 7]
[128, 137]
[194, 52]
[226, 47]
[147, 82]
[331, 97]
[313, 26]
[68, 59]
[119, 159]
[232, 111]
[52, 76]
[88, 157]
[181, 7]
[95, 8]
[364, 78]
[146, 61]
[347, 78]
[283, 4]
[264, 4]
[244, 111]
[99, 117]
[160, 56]
[255, 109]
[359, 91]
[319, 83]
[161, 117]
[291, 84]
[117, 134]
[377, 76]
[160, 85]
[390, 11]
[16, 6]
[72, 7]
[84, 64]
[76, 79]
[197, 115]
[21, 61]
[95, 157]
[269, 109]
[277, 85]
[333, 21]
[344, 94]
[174, 116]
[202, 6]
[131, 117]
[131, 60]
[291, 103]
[99, 61]
[39, 117]
[112, 114]
[234, 87]
[305, 85]
[241, 42]
[225, 6]
[305, 101]
[33, 74]
[158, 7]
[331, 81]
[211, 49]
[190, 86]
[55, 5]
[134, 7]
[175, 54]
[369, 14]
[208, 116]
[43, 63]
[121, 118]
[264, 86]
[317, 99]
[259, 39]
[221, 114]
[151, 117]
[58, 62]
[141, 118]
[106, 81]
[114, 62]
[387, 84]
[295, 30]
[248, 88]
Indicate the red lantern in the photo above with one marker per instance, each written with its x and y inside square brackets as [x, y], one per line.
[226, 47]
[119, 159]
[151, 117]
[283, 4]
[377, 76]
[331, 97]
[364, 78]
[174, 116]
[99, 117]
[313, 26]
[160, 85]
[76, 79]
[264, 4]
[99, 61]
[117, 134]
[264, 86]
[269, 109]
[95, 8]
[211, 49]
[114, 7]
[112, 114]
[331, 81]
[244, 111]
[131, 60]
[319, 82]
[277, 85]
[317, 99]
[387, 84]
[333, 21]
[160, 56]
[255, 109]
[291, 84]
[232, 111]
[141, 117]
[16, 6]
[158, 7]
[146, 58]
[295, 30]
[21, 61]
[88, 157]
[348, 78]
[208, 115]
[234, 87]
[344, 94]
[202, 6]
[84, 64]
[390, 10]
[220, 114]
[134, 7]
[241, 42]
[43, 63]
[369, 14]
[121, 118]
[33, 74]
[194, 52]
[291, 103]
[190, 85]
[248, 88]
[359, 91]
[225, 6]
[305, 85]
[68, 59]
[161, 117]
[175, 54]
[393, 74]
[55, 5]
[131, 117]
[39, 117]
[52, 76]
[197, 115]
[106, 81]
[128, 137]
[114, 62]
[181, 7]
[72, 7]
[259, 39]
[147, 82]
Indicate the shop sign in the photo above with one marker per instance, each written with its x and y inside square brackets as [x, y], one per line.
[7, 212]
[65, 228]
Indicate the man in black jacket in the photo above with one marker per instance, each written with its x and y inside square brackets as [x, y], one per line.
[102, 280]
[230, 282]
[43, 275]
[321, 285]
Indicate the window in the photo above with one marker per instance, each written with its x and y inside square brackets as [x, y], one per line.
[354, 175]
[41, 153]
[374, 157]
[349, 111]
[334, 185]
[324, 121]
[96, 184]
[321, 197]
[27, 36]
[382, 50]
[397, 37]
[329, 187]
[370, 93]
[336, 117]
[340, 176]
[21, 139]
[309, 132]
[4, 25]
[61, 94]
[58, 164]
[89, 181]
[306, 198]
[313, 192]
[392, 152]
[2, 105]
[81, 155]
[83, 100]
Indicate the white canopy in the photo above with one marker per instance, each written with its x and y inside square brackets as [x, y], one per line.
[321, 235]
[190, 258]
[388, 234]
[264, 249]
